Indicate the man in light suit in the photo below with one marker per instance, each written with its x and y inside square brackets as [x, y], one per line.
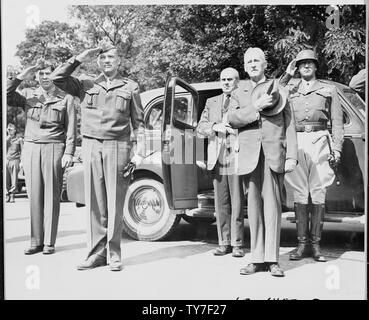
[267, 149]
[229, 201]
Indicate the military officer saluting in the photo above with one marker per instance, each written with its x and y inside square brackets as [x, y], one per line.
[110, 104]
[316, 106]
[49, 146]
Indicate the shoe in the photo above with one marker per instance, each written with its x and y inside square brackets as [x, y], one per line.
[33, 249]
[48, 250]
[7, 198]
[252, 268]
[115, 265]
[11, 199]
[276, 270]
[222, 250]
[238, 252]
[92, 262]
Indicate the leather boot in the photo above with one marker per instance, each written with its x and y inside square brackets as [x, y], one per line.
[317, 220]
[302, 225]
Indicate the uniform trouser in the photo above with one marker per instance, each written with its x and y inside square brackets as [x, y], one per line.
[105, 190]
[44, 179]
[264, 203]
[229, 205]
[312, 174]
[12, 169]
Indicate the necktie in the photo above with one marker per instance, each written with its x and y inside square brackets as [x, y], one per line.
[226, 103]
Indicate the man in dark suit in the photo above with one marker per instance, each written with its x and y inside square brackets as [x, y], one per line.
[267, 149]
[227, 187]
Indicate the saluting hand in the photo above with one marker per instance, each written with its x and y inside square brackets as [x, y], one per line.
[88, 54]
[291, 68]
[39, 65]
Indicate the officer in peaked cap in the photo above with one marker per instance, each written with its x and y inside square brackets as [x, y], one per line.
[316, 107]
[110, 103]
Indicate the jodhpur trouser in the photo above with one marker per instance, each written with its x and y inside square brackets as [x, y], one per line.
[264, 208]
[312, 174]
[44, 179]
[105, 190]
[12, 169]
[229, 203]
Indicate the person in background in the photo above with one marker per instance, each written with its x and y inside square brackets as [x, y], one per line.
[316, 107]
[358, 81]
[229, 199]
[49, 144]
[13, 156]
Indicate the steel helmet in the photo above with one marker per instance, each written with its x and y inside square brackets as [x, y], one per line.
[306, 55]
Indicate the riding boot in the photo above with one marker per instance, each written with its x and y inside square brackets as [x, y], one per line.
[317, 220]
[302, 225]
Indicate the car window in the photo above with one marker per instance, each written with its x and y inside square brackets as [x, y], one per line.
[182, 113]
[183, 110]
[354, 98]
[154, 118]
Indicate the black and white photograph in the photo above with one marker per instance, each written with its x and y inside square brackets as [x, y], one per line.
[184, 150]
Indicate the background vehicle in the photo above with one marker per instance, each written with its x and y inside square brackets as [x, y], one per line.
[173, 181]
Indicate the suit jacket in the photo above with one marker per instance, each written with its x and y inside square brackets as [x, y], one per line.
[212, 114]
[275, 134]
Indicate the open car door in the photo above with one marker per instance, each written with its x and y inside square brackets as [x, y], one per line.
[178, 147]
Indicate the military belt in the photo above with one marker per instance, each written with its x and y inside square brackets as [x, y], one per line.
[311, 127]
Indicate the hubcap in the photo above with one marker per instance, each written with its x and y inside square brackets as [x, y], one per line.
[146, 205]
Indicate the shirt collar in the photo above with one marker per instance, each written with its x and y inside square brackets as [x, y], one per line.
[254, 84]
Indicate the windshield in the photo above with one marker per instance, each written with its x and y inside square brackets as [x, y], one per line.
[355, 99]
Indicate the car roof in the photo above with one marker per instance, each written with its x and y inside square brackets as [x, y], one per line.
[149, 95]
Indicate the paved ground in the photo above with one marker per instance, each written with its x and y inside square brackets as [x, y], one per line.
[182, 267]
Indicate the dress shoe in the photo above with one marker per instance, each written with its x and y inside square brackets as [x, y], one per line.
[276, 270]
[222, 250]
[115, 265]
[238, 252]
[317, 254]
[7, 198]
[92, 262]
[33, 249]
[252, 268]
[11, 199]
[48, 250]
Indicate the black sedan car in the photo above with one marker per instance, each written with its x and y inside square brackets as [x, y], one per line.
[171, 184]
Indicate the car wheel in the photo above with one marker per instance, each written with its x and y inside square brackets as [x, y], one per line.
[146, 214]
[198, 220]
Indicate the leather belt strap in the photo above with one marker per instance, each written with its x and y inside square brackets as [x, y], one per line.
[311, 127]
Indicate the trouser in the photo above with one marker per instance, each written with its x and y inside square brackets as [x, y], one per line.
[105, 190]
[312, 174]
[12, 169]
[264, 202]
[44, 179]
[229, 205]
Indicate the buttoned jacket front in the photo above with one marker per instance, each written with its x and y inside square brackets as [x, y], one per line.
[275, 134]
[107, 112]
[211, 115]
[48, 120]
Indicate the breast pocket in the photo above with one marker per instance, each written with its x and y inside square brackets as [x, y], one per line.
[34, 111]
[123, 100]
[90, 100]
[56, 113]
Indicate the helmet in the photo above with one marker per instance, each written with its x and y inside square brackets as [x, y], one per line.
[306, 55]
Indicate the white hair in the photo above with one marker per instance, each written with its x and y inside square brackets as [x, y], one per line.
[254, 51]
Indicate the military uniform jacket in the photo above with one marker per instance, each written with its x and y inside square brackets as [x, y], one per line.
[52, 120]
[275, 134]
[320, 104]
[212, 114]
[107, 113]
[13, 148]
